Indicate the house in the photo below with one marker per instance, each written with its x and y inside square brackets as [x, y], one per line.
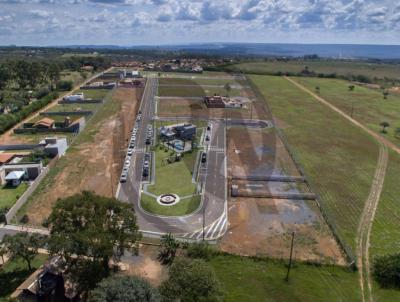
[30, 171]
[233, 103]
[74, 97]
[6, 158]
[180, 131]
[215, 101]
[54, 146]
[44, 123]
[14, 178]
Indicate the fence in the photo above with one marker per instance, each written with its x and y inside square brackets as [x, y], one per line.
[80, 102]
[320, 202]
[66, 113]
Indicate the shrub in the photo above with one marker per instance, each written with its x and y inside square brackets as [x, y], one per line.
[386, 270]
[200, 250]
[24, 219]
[64, 85]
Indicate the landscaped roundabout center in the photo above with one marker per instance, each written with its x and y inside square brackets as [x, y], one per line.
[168, 199]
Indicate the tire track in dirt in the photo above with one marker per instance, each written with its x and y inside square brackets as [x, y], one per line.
[366, 222]
[368, 215]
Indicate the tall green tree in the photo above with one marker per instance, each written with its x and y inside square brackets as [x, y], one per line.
[124, 289]
[386, 270]
[384, 125]
[168, 249]
[191, 280]
[227, 88]
[23, 245]
[5, 75]
[53, 71]
[88, 231]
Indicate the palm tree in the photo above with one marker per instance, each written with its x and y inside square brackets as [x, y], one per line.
[384, 125]
[169, 247]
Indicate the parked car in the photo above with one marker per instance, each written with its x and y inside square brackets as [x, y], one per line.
[147, 156]
[130, 152]
[146, 164]
[124, 177]
[203, 157]
[207, 138]
[145, 172]
[148, 141]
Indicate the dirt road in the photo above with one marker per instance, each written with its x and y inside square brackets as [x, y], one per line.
[371, 204]
[365, 225]
[379, 138]
[6, 137]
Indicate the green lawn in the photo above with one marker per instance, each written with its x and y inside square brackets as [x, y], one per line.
[14, 272]
[248, 280]
[73, 107]
[369, 106]
[344, 68]
[339, 158]
[175, 178]
[9, 195]
[195, 81]
[183, 207]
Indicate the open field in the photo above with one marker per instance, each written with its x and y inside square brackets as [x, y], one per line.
[248, 280]
[94, 160]
[14, 272]
[198, 81]
[173, 178]
[73, 107]
[197, 108]
[96, 94]
[183, 207]
[9, 195]
[195, 91]
[344, 68]
[74, 76]
[262, 226]
[368, 105]
[338, 158]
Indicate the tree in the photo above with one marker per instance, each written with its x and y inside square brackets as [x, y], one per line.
[23, 245]
[124, 289]
[53, 73]
[385, 94]
[397, 132]
[227, 88]
[317, 89]
[384, 125]
[5, 75]
[191, 280]
[167, 252]
[87, 231]
[351, 87]
[3, 252]
[386, 270]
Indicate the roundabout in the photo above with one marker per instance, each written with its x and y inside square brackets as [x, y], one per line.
[168, 199]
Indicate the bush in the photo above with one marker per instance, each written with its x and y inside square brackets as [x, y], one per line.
[64, 85]
[200, 250]
[386, 270]
[42, 92]
[191, 280]
[24, 219]
[124, 289]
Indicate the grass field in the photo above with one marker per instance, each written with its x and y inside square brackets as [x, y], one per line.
[344, 68]
[74, 107]
[96, 94]
[248, 280]
[196, 81]
[173, 178]
[184, 207]
[339, 158]
[9, 195]
[368, 106]
[195, 91]
[14, 272]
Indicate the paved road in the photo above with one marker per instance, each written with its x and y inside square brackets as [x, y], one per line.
[212, 175]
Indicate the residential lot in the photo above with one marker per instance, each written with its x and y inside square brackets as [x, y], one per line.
[94, 160]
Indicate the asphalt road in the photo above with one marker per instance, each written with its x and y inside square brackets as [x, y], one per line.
[213, 212]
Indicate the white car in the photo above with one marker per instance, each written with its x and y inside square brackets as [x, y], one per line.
[130, 151]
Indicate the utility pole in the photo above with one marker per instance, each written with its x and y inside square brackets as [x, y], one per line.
[290, 259]
[204, 221]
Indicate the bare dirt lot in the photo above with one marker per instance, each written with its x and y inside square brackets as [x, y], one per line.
[94, 160]
[261, 226]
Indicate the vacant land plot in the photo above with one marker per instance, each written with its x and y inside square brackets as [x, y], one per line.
[197, 108]
[94, 160]
[195, 91]
[365, 105]
[199, 81]
[248, 280]
[339, 158]
[9, 195]
[14, 272]
[74, 107]
[261, 226]
[327, 67]
[96, 94]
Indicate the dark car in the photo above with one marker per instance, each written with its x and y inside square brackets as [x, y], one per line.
[145, 172]
[148, 141]
[207, 138]
[203, 157]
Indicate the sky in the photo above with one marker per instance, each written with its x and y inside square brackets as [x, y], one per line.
[158, 22]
